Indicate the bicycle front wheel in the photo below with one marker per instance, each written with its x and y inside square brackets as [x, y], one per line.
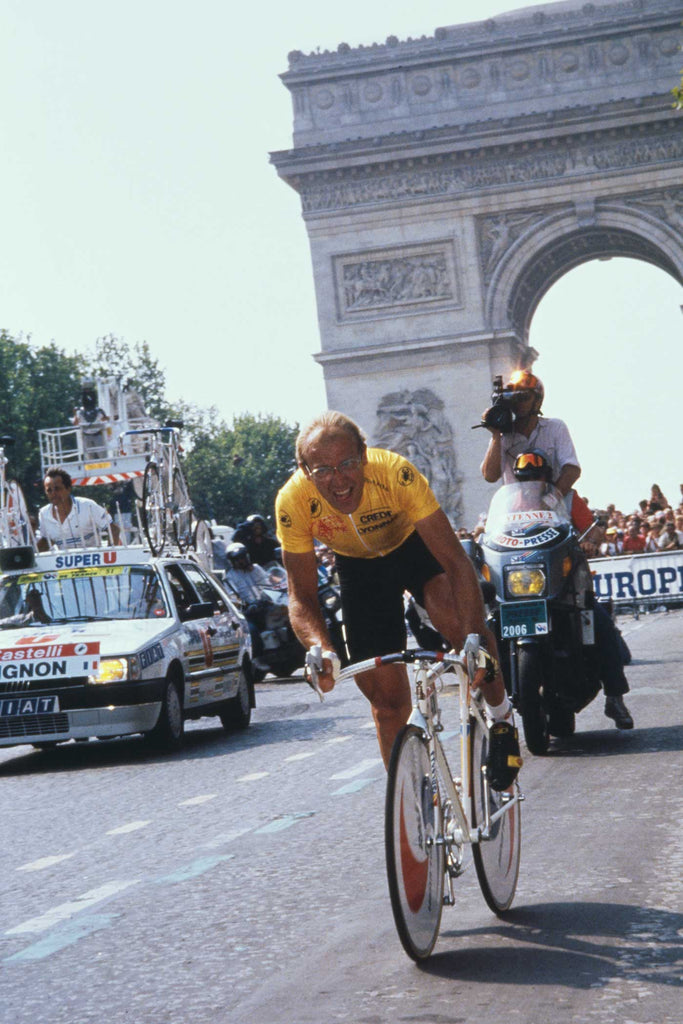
[182, 511]
[415, 861]
[153, 512]
[496, 859]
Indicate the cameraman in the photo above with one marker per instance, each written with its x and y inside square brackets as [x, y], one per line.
[516, 426]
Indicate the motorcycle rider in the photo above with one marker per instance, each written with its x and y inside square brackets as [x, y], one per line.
[253, 533]
[515, 456]
[248, 581]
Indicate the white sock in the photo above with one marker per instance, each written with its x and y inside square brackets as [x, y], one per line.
[501, 711]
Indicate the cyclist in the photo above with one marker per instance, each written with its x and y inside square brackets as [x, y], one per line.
[532, 432]
[67, 521]
[380, 517]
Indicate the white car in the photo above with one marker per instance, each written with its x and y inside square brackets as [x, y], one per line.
[112, 641]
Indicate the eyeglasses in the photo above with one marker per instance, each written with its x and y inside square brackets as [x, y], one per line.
[323, 474]
[529, 459]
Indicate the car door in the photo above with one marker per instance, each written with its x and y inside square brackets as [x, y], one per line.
[223, 636]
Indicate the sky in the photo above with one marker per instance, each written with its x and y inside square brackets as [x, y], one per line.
[138, 200]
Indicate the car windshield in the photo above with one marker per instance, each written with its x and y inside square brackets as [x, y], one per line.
[84, 594]
[524, 504]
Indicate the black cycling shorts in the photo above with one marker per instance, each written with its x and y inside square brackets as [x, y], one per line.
[372, 596]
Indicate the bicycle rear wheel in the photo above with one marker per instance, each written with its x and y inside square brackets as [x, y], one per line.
[153, 512]
[201, 542]
[182, 511]
[16, 527]
[496, 859]
[415, 862]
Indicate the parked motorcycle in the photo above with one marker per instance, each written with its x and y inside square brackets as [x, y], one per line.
[541, 608]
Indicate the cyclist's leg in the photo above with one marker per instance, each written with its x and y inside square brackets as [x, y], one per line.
[372, 608]
[388, 691]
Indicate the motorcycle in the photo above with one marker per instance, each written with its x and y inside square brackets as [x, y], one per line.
[540, 601]
[275, 646]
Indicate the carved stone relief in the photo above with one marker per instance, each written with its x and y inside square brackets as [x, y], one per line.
[576, 156]
[496, 235]
[413, 424]
[666, 205]
[377, 282]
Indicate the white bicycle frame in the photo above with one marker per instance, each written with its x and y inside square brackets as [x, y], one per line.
[454, 808]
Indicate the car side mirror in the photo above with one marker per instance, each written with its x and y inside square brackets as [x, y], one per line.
[203, 610]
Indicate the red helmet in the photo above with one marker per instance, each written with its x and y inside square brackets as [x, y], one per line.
[525, 380]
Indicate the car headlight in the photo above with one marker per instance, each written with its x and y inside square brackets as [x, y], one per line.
[116, 670]
[526, 582]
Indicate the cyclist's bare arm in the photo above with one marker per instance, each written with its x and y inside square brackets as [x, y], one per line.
[464, 613]
[305, 614]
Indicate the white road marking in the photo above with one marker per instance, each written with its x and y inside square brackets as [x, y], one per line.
[302, 757]
[60, 938]
[253, 777]
[340, 739]
[122, 830]
[45, 862]
[67, 910]
[368, 725]
[195, 800]
[355, 786]
[194, 869]
[358, 769]
[228, 837]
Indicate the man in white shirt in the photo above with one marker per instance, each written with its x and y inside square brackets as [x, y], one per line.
[69, 522]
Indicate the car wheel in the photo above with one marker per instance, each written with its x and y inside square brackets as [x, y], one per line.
[167, 734]
[236, 712]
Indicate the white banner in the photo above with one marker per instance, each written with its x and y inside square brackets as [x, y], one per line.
[643, 579]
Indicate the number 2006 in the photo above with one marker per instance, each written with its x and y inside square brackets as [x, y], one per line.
[510, 631]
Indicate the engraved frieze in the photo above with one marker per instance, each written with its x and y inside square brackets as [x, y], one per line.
[437, 177]
[383, 281]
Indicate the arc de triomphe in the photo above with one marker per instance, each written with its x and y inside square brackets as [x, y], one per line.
[447, 182]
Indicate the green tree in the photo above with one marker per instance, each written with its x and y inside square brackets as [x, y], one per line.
[40, 388]
[235, 471]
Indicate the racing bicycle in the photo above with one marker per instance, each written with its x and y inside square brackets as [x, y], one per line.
[432, 819]
[166, 504]
[15, 524]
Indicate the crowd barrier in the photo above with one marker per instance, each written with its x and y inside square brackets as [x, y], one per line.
[647, 580]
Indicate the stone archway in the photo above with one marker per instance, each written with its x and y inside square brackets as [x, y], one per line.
[448, 182]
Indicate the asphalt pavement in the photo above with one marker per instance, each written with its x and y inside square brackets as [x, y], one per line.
[242, 880]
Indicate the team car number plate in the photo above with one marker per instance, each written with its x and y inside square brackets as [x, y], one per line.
[523, 618]
[13, 706]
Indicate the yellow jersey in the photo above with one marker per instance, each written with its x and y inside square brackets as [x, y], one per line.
[395, 497]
